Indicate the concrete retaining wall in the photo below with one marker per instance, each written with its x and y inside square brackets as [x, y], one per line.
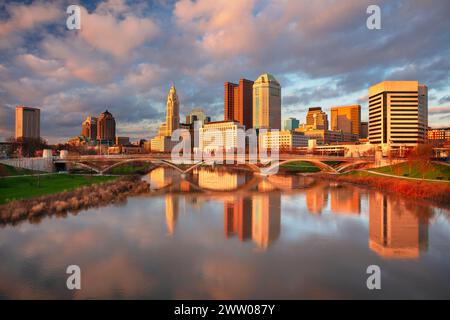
[39, 164]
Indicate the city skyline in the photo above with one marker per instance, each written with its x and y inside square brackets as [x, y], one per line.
[69, 75]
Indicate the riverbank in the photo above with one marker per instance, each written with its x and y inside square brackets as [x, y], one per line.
[74, 200]
[8, 171]
[436, 192]
[30, 186]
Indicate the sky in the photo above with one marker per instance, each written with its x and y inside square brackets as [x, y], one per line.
[128, 53]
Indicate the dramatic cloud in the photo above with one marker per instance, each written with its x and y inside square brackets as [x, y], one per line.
[103, 29]
[127, 54]
[23, 18]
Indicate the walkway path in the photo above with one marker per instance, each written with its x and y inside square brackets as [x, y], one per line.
[402, 177]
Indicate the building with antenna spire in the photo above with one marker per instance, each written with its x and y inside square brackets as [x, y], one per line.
[162, 142]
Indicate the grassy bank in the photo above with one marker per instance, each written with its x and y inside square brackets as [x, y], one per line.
[28, 187]
[131, 168]
[299, 166]
[438, 192]
[81, 198]
[417, 169]
[6, 171]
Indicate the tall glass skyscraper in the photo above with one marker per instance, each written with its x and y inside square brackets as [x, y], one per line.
[266, 102]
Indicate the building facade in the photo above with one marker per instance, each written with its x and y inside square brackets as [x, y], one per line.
[197, 115]
[364, 131]
[106, 128]
[89, 128]
[219, 135]
[398, 113]
[172, 112]
[291, 124]
[162, 142]
[438, 135]
[282, 140]
[323, 137]
[316, 119]
[347, 119]
[266, 103]
[123, 141]
[28, 123]
[238, 102]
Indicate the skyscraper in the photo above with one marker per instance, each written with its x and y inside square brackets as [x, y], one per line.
[266, 102]
[172, 111]
[347, 119]
[291, 124]
[398, 113]
[106, 128]
[238, 102]
[89, 128]
[317, 119]
[364, 130]
[162, 142]
[28, 122]
[197, 115]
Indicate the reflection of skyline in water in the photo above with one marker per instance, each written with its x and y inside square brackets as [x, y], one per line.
[124, 251]
[395, 229]
[257, 217]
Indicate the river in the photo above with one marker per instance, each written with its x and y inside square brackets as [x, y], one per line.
[219, 234]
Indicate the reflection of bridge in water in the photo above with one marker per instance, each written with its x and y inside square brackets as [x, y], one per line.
[165, 179]
[104, 164]
[256, 216]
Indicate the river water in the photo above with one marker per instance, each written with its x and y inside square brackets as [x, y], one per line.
[219, 234]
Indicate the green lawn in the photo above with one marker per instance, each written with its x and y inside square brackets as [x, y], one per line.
[332, 163]
[131, 168]
[6, 171]
[300, 166]
[27, 187]
[413, 170]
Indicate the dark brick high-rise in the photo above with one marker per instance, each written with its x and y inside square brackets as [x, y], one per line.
[238, 102]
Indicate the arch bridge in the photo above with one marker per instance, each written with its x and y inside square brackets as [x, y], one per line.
[320, 162]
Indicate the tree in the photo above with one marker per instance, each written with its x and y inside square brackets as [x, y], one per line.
[421, 158]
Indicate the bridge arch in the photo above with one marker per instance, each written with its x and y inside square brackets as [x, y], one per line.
[350, 165]
[273, 168]
[81, 164]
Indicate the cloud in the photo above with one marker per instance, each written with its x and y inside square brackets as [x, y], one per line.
[439, 110]
[43, 67]
[127, 54]
[444, 99]
[26, 18]
[106, 31]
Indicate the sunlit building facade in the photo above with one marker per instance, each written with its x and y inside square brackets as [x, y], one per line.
[316, 119]
[347, 119]
[106, 128]
[162, 142]
[238, 102]
[438, 135]
[398, 113]
[28, 122]
[219, 135]
[266, 103]
[89, 128]
[282, 140]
